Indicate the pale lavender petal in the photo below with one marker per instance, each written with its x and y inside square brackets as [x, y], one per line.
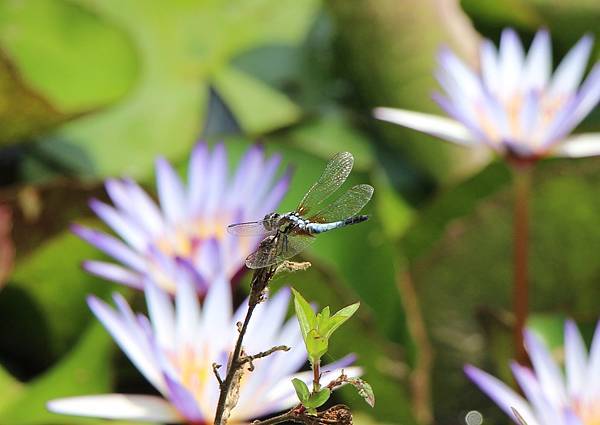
[444, 128]
[184, 401]
[187, 270]
[127, 341]
[546, 369]
[586, 100]
[545, 411]
[572, 418]
[568, 74]
[538, 65]
[263, 184]
[188, 313]
[118, 193]
[501, 394]
[117, 406]
[464, 108]
[162, 316]
[342, 363]
[510, 59]
[170, 191]
[198, 176]
[530, 116]
[210, 261]
[121, 224]
[471, 124]
[218, 175]
[242, 188]
[462, 74]
[592, 386]
[289, 362]
[276, 194]
[490, 71]
[263, 329]
[147, 212]
[114, 272]
[110, 245]
[217, 315]
[575, 359]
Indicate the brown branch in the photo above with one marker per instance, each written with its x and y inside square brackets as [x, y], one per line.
[250, 359]
[338, 414]
[230, 386]
[215, 368]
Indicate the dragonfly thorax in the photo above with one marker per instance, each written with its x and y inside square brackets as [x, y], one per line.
[285, 223]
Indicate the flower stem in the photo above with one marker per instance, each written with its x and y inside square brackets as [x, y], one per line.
[522, 189]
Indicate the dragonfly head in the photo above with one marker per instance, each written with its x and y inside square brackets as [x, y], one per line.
[271, 221]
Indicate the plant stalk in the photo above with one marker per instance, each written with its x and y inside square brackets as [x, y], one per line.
[260, 280]
[316, 376]
[522, 192]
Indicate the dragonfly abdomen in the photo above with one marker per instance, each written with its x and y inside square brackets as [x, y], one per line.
[316, 228]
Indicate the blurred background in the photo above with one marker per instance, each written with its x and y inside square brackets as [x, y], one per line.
[91, 89]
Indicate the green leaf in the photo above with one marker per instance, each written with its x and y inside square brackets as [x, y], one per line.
[316, 345]
[338, 319]
[304, 313]
[364, 390]
[302, 390]
[257, 107]
[318, 399]
[59, 60]
[185, 46]
[72, 56]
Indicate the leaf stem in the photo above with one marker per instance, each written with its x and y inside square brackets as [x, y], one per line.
[316, 375]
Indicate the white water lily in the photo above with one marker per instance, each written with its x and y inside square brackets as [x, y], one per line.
[174, 347]
[551, 397]
[513, 104]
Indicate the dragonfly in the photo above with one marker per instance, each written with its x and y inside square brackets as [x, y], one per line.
[285, 235]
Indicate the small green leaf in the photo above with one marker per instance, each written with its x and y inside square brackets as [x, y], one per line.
[338, 320]
[364, 390]
[318, 399]
[316, 345]
[304, 313]
[302, 390]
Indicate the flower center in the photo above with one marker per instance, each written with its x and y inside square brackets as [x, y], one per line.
[588, 412]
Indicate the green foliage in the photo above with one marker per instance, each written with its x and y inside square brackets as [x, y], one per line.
[318, 328]
[302, 390]
[310, 400]
[59, 60]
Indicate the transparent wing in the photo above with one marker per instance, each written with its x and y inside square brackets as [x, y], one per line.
[251, 228]
[335, 174]
[347, 205]
[276, 249]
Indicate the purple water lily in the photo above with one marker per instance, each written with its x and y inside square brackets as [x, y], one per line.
[513, 104]
[552, 399]
[187, 229]
[176, 345]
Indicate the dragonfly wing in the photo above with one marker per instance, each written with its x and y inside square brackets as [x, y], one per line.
[251, 228]
[335, 174]
[266, 253]
[347, 205]
[276, 249]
